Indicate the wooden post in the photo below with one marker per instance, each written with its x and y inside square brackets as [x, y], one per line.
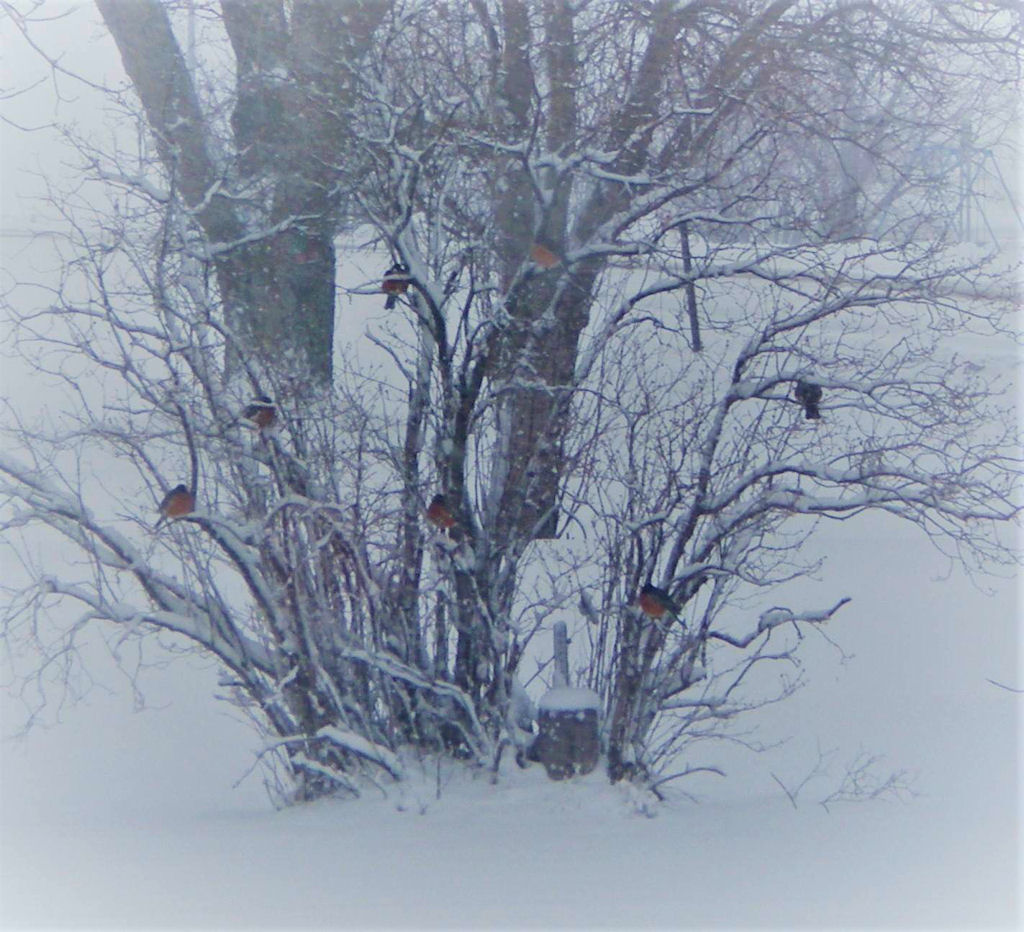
[561, 654]
[691, 289]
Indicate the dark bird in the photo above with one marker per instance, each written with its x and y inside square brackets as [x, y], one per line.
[655, 602]
[261, 411]
[543, 256]
[809, 395]
[179, 501]
[440, 514]
[396, 282]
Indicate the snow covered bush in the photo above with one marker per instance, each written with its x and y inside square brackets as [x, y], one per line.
[623, 234]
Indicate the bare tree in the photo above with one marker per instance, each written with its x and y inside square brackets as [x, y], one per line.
[554, 181]
[616, 260]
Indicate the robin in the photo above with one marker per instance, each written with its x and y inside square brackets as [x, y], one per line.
[440, 514]
[396, 282]
[179, 501]
[655, 602]
[809, 395]
[261, 411]
[543, 256]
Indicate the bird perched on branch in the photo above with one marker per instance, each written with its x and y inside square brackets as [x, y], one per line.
[179, 501]
[440, 514]
[809, 395]
[543, 256]
[261, 411]
[656, 603]
[396, 282]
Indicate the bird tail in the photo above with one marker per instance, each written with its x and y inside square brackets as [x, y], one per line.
[812, 413]
[391, 302]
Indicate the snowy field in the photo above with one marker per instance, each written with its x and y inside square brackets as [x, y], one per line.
[122, 820]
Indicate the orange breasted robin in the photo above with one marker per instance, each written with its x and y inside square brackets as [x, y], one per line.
[655, 602]
[543, 256]
[809, 395]
[261, 411]
[396, 282]
[440, 514]
[179, 501]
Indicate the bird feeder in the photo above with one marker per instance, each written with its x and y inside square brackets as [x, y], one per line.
[568, 741]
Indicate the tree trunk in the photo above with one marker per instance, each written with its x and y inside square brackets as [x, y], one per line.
[293, 79]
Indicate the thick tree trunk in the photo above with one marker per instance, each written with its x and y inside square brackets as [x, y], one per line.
[291, 134]
[156, 66]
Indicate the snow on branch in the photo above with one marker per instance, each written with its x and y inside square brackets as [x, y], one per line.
[774, 617]
[176, 609]
[350, 741]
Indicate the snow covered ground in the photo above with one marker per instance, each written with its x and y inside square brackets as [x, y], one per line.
[122, 820]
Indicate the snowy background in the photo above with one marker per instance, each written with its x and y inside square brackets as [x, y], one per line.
[122, 813]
